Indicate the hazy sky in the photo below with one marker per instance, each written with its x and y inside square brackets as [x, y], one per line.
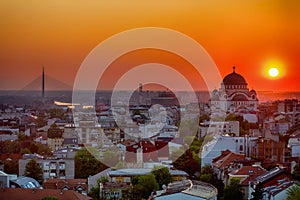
[252, 35]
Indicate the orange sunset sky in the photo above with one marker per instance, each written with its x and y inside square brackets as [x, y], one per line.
[253, 35]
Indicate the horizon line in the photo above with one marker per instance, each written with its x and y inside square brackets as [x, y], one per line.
[105, 90]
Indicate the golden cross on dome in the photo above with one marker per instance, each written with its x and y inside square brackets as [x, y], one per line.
[233, 69]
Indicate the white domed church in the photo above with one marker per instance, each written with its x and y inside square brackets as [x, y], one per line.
[234, 95]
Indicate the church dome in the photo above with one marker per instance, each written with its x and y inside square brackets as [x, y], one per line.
[234, 79]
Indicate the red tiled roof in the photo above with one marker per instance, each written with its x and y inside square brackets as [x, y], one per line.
[251, 171]
[227, 159]
[245, 170]
[13, 156]
[54, 183]
[223, 154]
[38, 194]
[274, 181]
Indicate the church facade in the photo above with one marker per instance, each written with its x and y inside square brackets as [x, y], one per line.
[234, 95]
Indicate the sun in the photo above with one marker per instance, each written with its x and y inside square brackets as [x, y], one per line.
[274, 69]
[273, 72]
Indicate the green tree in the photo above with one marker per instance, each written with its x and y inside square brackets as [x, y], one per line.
[207, 169]
[33, 147]
[145, 186]
[22, 137]
[95, 190]
[209, 176]
[33, 170]
[43, 149]
[25, 151]
[188, 162]
[86, 164]
[54, 131]
[293, 193]
[162, 175]
[244, 125]
[296, 172]
[110, 158]
[233, 190]
[206, 178]
[11, 167]
[258, 192]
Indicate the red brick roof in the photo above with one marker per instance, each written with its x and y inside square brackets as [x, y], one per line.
[38, 194]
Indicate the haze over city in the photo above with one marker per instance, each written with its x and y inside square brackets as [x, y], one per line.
[254, 36]
[151, 99]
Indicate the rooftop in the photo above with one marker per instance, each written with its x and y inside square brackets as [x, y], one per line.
[38, 194]
[141, 171]
[179, 196]
[270, 175]
[226, 158]
[251, 172]
[234, 79]
[71, 184]
[26, 182]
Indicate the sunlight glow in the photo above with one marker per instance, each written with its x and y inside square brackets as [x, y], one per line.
[273, 72]
[273, 69]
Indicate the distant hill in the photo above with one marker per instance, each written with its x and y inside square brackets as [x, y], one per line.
[50, 84]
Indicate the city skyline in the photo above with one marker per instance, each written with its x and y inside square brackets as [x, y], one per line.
[150, 99]
[253, 36]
